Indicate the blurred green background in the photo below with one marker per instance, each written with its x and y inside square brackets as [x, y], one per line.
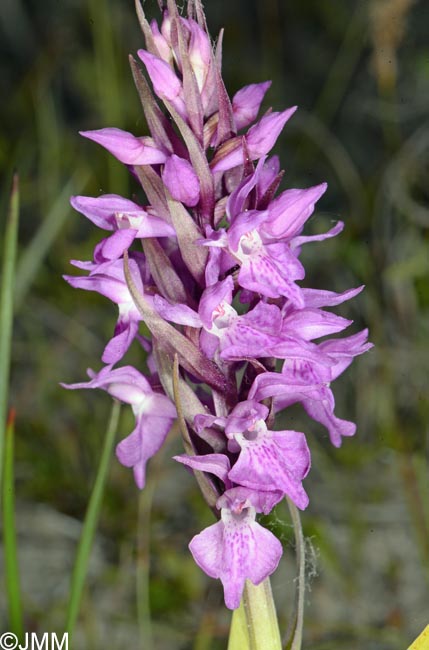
[359, 72]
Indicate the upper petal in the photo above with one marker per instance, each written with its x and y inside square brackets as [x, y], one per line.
[289, 211]
[246, 103]
[126, 147]
[101, 210]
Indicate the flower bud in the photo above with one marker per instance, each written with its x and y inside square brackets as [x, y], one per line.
[246, 103]
[181, 180]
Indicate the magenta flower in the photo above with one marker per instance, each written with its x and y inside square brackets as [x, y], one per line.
[268, 461]
[210, 262]
[112, 212]
[107, 278]
[165, 82]
[236, 548]
[153, 411]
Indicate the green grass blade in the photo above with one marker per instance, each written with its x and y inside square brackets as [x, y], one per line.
[143, 565]
[7, 303]
[90, 523]
[36, 251]
[108, 81]
[9, 535]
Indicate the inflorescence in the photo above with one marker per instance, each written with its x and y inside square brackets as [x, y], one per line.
[217, 283]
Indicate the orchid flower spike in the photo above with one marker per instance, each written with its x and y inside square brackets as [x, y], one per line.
[206, 255]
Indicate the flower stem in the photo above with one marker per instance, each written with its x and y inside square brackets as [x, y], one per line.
[90, 523]
[254, 624]
[294, 634]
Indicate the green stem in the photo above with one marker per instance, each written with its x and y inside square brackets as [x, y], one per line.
[6, 304]
[9, 535]
[294, 637]
[143, 559]
[90, 523]
[254, 624]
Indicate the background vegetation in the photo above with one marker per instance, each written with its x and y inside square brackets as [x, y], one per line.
[359, 72]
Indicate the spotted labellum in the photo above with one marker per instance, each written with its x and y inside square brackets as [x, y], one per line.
[207, 255]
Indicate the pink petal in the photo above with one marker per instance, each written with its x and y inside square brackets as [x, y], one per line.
[125, 333]
[101, 210]
[291, 209]
[126, 147]
[165, 81]
[217, 464]
[260, 140]
[311, 324]
[181, 180]
[246, 103]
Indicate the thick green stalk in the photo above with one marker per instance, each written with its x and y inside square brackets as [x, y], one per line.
[90, 523]
[254, 624]
[6, 304]
[9, 536]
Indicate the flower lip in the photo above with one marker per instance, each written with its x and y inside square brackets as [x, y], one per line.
[251, 433]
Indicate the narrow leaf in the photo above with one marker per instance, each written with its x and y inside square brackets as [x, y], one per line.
[187, 442]
[219, 48]
[9, 536]
[204, 483]
[90, 523]
[226, 125]
[163, 272]
[154, 190]
[35, 253]
[201, 19]
[7, 303]
[194, 256]
[144, 619]
[145, 27]
[264, 202]
[156, 120]
[194, 107]
[190, 404]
